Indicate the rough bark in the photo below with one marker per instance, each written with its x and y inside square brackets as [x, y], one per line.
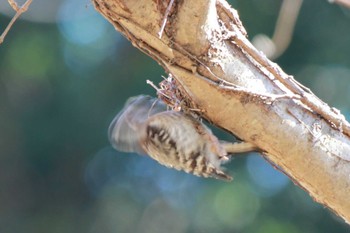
[218, 71]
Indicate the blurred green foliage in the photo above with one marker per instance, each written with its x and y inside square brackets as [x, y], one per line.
[58, 94]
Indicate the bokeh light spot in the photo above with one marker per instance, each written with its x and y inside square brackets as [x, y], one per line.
[236, 205]
[268, 180]
[30, 56]
[89, 38]
[159, 217]
[84, 26]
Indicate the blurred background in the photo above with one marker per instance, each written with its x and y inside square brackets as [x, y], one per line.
[64, 74]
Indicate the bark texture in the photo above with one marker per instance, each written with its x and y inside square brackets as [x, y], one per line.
[203, 45]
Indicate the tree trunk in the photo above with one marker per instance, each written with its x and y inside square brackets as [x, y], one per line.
[216, 70]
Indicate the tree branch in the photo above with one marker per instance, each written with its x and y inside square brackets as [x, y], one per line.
[345, 3]
[217, 70]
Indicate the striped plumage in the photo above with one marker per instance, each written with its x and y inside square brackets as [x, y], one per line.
[174, 139]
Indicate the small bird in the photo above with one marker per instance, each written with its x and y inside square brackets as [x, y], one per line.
[172, 138]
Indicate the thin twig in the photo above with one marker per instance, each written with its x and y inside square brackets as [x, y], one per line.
[19, 11]
[165, 18]
[285, 24]
[345, 3]
[157, 89]
[14, 5]
[276, 45]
